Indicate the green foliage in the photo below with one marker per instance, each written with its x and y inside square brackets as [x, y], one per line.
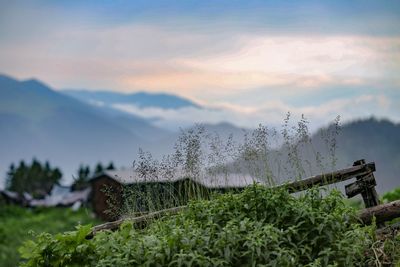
[36, 179]
[84, 174]
[98, 169]
[82, 180]
[259, 227]
[392, 195]
[110, 166]
[17, 225]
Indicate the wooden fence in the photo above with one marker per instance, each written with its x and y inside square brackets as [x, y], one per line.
[365, 182]
[363, 185]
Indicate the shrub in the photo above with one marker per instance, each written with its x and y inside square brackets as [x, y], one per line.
[256, 227]
[392, 195]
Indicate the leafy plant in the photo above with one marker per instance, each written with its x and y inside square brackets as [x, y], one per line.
[18, 224]
[257, 227]
[392, 195]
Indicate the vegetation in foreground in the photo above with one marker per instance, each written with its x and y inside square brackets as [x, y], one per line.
[18, 224]
[258, 227]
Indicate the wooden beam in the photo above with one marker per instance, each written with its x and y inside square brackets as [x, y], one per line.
[369, 194]
[329, 178]
[358, 186]
[140, 221]
[382, 213]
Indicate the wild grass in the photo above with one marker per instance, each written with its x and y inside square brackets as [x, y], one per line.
[208, 162]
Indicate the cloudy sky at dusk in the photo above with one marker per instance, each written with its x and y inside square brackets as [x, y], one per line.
[246, 61]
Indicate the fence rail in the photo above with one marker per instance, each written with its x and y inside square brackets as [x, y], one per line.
[365, 185]
[330, 178]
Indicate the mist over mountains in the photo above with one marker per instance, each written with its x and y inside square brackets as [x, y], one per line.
[72, 127]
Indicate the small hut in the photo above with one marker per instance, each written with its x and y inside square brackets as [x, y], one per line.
[114, 192]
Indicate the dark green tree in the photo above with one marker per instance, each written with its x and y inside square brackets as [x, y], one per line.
[110, 166]
[82, 180]
[98, 169]
[35, 179]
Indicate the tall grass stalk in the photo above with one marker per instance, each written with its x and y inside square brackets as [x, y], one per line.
[203, 163]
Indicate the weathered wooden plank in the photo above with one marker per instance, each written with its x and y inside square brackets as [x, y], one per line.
[382, 213]
[358, 186]
[369, 194]
[141, 220]
[330, 178]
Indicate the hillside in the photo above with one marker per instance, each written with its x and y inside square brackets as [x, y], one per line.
[374, 140]
[37, 121]
[370, 139]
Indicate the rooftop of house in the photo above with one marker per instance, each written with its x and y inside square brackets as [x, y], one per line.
[209, 180]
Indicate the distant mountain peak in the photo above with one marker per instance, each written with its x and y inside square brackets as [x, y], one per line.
[141, 99]
[4, 77]
[35, 84]
[32, 84]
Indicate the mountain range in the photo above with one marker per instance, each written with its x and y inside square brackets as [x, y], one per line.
[37, 121]
[63, 127]
[139, 99]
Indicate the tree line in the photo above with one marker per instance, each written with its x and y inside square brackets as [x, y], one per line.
[38, 179]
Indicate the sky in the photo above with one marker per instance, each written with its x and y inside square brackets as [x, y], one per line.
[247, 62]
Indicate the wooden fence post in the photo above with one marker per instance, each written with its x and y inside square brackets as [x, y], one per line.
[365, 184]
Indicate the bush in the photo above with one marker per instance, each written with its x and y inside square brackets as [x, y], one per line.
[392, 195]
[257, 227]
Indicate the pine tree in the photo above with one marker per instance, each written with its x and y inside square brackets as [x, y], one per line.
[98, 169]
[110, 166]
[82, 181]
[34, 179]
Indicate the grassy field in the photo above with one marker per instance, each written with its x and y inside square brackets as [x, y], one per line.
[19, 224]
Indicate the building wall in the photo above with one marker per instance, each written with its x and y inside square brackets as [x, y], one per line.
[106, 196]
[143, 197]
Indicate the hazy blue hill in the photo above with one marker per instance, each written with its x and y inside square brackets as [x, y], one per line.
[140, 126]
[42, 107]
[140, 99]
[370, 139]
[36, 121]
[374, 140]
